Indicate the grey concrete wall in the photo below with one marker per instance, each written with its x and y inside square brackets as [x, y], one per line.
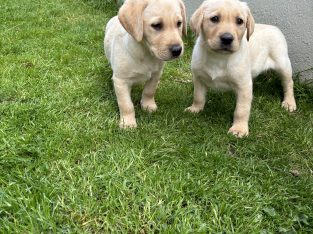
[294, 18]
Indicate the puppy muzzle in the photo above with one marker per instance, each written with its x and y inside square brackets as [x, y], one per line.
[226, 41]
[176, 50]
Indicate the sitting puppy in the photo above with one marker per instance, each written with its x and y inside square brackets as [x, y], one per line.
[227, 56]
[137, 42]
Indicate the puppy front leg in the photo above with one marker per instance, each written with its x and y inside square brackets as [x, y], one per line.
[240, 126]
[199, 96]
[125, 104]
[147, 99]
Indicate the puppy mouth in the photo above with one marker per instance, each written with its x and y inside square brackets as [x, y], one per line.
[225, 50]
[165, 57]
[169, 59]
[220, 48]
[173, 57]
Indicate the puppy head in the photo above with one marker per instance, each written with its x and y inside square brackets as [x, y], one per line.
[159, 24]
[223, 24]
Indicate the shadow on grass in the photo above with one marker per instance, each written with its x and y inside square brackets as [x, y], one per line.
[269, 85]
[104, 80]
[220, 106]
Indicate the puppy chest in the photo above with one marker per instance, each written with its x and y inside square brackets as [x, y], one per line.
[142, 75]
[137, 71]
[221, 83]
[217, 80]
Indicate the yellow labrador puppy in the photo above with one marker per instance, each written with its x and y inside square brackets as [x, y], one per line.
[230, 51]
[137, 42]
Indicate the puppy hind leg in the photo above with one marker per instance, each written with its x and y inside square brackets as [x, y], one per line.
[199, 96]
[285, 71]
[125, 104]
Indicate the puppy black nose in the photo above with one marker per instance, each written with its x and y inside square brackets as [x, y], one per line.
[227, 38]
[176, 50]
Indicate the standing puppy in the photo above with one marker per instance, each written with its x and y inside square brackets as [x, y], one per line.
[230, 50]
[137, 42]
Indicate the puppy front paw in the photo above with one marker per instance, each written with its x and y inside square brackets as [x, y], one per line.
[289, 105]
[239, 131]
[126, 123]
[194, 109]
[149, 106]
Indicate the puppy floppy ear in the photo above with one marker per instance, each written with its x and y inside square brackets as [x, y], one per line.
[250, 24]
[183, 13]
[131, 17]
[196, 20]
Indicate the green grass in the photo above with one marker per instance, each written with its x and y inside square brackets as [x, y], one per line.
[65, 166]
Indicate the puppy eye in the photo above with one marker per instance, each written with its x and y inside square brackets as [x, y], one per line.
[179, 23]
[157, 26]
[239, 21]
[215, 19]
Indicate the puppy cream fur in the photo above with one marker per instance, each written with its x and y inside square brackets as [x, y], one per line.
[231, 50]
[137, 42]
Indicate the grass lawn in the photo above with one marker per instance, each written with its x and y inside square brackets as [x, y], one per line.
[65, 166]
